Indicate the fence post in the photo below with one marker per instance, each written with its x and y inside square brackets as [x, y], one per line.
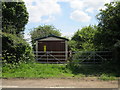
[115, 62]
[37, 50]
[115, 55]
[94, 56]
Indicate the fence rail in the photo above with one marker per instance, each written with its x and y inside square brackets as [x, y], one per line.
[73, 57]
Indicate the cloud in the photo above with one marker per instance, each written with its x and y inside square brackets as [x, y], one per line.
[90, 10]
[49, 8]
[39, 8]
[68, 34]
[96, 4]
[27, 37]
[81, 8]
[85, 4]
[48, 19]
[76, 4]
[80, 16]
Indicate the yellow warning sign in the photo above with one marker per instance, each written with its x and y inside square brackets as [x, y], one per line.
[44, 48]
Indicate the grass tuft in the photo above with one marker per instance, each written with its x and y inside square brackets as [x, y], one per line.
[106, 77]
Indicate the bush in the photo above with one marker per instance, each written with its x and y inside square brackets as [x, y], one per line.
[15, 49]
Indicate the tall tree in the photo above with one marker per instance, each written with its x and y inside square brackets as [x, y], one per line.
[42, 31]
[108, 36]
[84, 38]
[109, 26]
[14, 17]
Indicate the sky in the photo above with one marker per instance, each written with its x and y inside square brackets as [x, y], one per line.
[66, 15]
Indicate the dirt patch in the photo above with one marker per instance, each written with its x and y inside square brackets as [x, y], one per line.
[88, 82]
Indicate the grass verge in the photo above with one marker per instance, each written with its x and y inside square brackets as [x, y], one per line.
[36, 70]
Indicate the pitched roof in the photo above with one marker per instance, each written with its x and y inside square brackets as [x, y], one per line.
[51, 36]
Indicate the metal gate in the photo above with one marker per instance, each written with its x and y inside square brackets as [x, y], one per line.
[74, 57]
[51, 56]
[91, 56]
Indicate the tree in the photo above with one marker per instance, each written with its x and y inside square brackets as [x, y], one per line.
[15, 50]
[108, 36]
[109, 26]
[14, 17]
[84, 38]
[42, 31]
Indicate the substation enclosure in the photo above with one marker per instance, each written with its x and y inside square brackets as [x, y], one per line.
[52, 49]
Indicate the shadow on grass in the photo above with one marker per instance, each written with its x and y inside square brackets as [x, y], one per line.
[94, 69]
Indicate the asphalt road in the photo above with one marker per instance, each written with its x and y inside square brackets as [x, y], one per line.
[58, 83]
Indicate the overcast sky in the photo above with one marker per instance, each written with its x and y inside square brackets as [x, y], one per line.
[66, 15]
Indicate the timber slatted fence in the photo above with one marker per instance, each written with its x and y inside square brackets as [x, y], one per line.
[74, 57]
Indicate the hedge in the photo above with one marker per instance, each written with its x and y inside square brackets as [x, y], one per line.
[15, 49]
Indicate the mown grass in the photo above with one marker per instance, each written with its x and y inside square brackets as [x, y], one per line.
[36, 70]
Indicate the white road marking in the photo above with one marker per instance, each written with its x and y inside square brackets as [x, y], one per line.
[9, 86]
[31, 87]
[60, 87]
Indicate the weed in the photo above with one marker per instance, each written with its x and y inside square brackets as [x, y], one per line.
[107, 77]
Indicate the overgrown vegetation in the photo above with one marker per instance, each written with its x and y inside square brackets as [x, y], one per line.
[83, 39]
[108, 35]
[15, 50]
[103, 37]
[14, 17]
[108, 28]
[107, 77]
[36, 70]
[17, 54]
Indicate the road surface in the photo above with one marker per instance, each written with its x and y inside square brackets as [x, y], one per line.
[59, 83]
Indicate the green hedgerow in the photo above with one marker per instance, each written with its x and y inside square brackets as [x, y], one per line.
[15, 50]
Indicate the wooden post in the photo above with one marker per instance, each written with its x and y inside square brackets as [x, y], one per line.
[37, 50]
[66, 50]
